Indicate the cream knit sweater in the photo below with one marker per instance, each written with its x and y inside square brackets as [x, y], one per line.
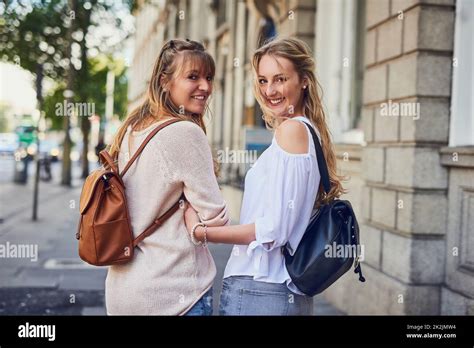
[168, 274]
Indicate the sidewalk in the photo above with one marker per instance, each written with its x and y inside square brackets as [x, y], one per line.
[58, 282]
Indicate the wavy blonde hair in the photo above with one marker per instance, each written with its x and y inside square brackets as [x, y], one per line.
[157, 104]
[300, 55]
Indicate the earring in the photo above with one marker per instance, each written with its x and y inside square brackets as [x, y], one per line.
[304, 87]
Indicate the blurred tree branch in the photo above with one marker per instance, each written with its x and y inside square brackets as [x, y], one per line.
[58, 35]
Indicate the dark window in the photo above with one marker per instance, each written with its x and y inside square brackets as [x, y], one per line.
[267, 31]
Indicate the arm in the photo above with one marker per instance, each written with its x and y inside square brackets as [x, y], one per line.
[235, 234]
[232, 234]
[292, 138]
[189, 154]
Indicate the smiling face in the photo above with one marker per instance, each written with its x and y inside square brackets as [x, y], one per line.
[280, 86]
[191, 86]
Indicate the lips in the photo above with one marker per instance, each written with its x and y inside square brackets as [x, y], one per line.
[199, 97]
[275, 101]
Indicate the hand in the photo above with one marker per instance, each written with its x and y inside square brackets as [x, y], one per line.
[191, 218]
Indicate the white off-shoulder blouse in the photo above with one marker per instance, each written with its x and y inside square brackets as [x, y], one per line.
[280, 191]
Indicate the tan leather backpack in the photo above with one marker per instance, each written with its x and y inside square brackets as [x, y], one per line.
[105, 233]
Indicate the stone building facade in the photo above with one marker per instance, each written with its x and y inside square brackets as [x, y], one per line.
[398, 88]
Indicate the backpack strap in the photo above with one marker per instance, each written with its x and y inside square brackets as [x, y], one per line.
[323, 171]
[159, 221]
[145, 142]
[323, 168]
[104, 157]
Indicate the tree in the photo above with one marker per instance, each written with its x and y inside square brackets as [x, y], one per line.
[91, 88]
[33, 34]
[69, 93]
[50, 37]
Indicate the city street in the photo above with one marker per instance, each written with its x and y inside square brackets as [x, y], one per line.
[57, 282]
[359, 110]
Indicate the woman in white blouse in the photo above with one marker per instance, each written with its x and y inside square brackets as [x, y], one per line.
[281, 188]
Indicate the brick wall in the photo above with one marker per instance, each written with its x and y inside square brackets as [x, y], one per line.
[408, 60]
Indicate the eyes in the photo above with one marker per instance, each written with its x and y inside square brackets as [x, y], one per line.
[280, 79]
[195, 77]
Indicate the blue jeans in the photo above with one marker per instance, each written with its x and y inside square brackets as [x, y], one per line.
[203, 306]
[241, 295]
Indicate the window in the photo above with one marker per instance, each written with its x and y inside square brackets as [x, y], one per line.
[462, 111]
[339, 65]
[267, 31]
[220, 6]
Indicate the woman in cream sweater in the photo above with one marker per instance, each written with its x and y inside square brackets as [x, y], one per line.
[169, 275]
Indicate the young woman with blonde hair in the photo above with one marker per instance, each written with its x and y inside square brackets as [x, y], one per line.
[169, 275]
[281, 189]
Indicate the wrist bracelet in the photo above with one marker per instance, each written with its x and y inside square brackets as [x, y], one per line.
[193, 233]
[205, 236]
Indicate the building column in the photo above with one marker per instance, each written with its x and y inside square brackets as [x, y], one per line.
[298, 20]
[406, 101]
[229, 97]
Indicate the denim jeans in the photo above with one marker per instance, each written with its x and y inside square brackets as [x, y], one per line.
[241, 295]
[203, 306]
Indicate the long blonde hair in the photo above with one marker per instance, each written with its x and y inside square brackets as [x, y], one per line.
[157, 103]
[299, 54]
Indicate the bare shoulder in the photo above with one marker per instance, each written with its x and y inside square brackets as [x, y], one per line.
[292, 136]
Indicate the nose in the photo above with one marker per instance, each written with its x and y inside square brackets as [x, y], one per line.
[205, 85]
[270, 90]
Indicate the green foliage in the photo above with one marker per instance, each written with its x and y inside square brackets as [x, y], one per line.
[92, 89]
[35, 32]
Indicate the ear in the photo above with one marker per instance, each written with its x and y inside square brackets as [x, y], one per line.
[164, 82]
[305, 83]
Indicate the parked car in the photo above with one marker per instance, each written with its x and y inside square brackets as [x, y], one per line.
[9, 142]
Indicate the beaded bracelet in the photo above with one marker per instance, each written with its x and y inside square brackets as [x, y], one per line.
[193, 233]
[205, 236]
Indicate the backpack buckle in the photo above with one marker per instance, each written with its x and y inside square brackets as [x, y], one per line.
[356, 262]
[105, 179]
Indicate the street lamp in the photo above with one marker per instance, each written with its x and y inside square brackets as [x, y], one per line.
[36, 116]
[36, 120]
